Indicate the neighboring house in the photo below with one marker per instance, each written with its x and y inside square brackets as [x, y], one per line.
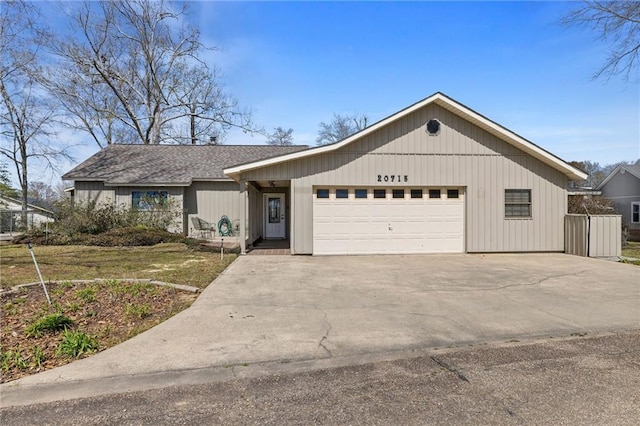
[11, 214]
[622, 186]
[436, 177]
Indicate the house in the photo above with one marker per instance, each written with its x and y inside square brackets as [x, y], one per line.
[191, 175]
[622, 186]
[435, 177]
[11, 214]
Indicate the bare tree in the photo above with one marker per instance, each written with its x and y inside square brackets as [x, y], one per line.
[280, 137]
[42, 193]
[132, 73]
[26, 112]
[615, 22]
[341, 127]
[209, 110]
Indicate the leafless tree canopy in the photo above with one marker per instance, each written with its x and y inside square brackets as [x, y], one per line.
[133, 73]
[341, 127]
[26, 110]
[617, 23]
[281, 137]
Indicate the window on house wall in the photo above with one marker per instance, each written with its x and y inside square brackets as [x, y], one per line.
[517, 203]
[635, 212]
[149, 200]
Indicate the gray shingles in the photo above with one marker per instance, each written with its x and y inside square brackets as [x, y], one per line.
[170, 164]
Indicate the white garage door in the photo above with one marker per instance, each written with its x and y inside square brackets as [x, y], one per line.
[388, 220]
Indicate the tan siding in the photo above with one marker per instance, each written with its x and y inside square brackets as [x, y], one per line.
[603, 233]
[120, 196]
[605, 236]
[302, 217]
[211, 200]
[93, 191]
[123, 198]
[461, 155]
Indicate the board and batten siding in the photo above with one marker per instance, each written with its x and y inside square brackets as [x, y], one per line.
[211, 200]
[85, 192]
[121, 196]
[461, 155]
[124, 197]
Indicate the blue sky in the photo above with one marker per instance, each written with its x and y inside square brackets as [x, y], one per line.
[296, 63]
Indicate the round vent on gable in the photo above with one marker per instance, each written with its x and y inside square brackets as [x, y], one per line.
[433, 127]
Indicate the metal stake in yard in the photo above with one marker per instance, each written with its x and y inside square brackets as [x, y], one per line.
[221, 248]
[33, 256]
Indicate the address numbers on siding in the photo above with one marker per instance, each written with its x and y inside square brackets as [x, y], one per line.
[393, 178]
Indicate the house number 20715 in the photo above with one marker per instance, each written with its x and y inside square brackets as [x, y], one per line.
[393, 178]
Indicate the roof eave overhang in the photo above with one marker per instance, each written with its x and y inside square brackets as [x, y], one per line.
[445, 102]
[111, 183]
[148, 184]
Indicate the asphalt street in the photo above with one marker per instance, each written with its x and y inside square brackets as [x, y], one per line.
[581, 380]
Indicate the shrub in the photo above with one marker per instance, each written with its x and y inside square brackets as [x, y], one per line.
[120, 237]
[96, 218]
[49, 323]
[76, 343]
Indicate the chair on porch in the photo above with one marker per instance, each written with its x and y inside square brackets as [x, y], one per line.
[204, 228]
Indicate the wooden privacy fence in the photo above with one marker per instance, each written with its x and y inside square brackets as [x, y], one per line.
[593, 235]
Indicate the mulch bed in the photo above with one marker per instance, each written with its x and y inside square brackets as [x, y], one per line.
[108, 311]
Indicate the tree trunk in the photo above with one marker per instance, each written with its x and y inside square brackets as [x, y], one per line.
[24, 186]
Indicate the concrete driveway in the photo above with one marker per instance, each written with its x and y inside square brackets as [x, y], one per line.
[293, 308]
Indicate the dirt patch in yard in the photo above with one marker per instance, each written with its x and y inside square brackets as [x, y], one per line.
[83, 318]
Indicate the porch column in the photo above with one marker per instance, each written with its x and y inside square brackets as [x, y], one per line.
[244, 194]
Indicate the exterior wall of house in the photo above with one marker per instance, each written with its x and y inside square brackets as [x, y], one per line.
[122, 196]
[93, 191]
[210, 201]
[461, 155]
[623, 189]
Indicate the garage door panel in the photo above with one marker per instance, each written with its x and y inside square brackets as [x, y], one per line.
[357, 226]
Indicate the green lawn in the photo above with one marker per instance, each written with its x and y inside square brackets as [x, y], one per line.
[173, 263]
[632, 249]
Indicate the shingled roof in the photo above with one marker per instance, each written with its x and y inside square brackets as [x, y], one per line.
[169, 164]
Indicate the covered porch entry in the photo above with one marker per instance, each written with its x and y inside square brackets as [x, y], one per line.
[268, 216]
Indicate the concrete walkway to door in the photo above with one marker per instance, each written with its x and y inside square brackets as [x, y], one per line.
[283, 309]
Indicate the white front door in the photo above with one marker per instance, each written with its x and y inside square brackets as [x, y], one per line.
[274, 220]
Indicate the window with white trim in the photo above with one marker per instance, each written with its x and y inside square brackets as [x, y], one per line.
[635, 212]
[517, 203]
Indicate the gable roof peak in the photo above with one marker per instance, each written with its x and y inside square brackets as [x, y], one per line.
[453, 106]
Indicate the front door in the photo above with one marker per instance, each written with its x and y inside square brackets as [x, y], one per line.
[275, 223]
